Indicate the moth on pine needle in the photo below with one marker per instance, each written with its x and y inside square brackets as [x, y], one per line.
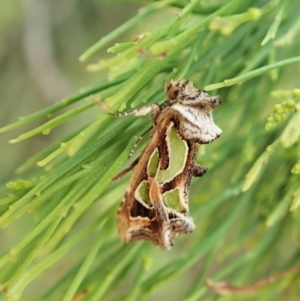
[156, 204]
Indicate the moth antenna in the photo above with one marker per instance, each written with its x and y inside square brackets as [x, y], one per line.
[140, 111]
[119, 114]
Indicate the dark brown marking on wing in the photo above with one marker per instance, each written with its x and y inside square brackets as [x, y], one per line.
[139, 210]
[163, 150]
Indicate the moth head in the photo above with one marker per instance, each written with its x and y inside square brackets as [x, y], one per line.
[172, 89]
[184, 92]
[175, 88]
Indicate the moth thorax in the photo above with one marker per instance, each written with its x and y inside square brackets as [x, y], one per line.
[172, 91]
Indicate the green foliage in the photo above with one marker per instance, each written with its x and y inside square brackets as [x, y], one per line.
[246, 207]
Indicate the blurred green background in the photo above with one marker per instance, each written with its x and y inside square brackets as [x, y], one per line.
[40, 42]
[40, 45]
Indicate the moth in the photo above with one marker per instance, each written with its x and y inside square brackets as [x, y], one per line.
[156, 204]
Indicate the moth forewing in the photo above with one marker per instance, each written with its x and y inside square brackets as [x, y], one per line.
[155, 206]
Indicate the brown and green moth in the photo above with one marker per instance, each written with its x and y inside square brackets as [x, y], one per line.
[156, 204]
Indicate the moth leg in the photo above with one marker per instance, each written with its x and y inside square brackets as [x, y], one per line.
[138, 141]
[122, 173]
[134, 163]
[153, 109]
[198, 170]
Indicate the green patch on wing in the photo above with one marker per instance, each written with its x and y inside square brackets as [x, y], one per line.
[172, 200]
[142, 193]
[153, 163]
[178, 150]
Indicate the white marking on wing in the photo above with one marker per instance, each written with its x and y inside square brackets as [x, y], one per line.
[201, 123]
[189, 115]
